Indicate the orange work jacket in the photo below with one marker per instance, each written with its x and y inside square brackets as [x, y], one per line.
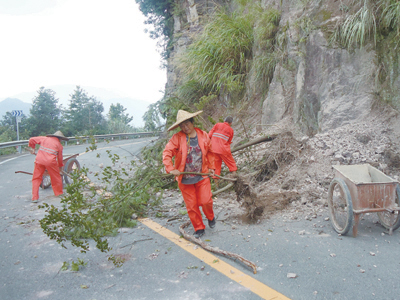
[177, 147]
[221, 136]
[50, 151]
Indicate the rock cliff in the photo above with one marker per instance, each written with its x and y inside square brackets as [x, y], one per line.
[317, 84]
[339, 99]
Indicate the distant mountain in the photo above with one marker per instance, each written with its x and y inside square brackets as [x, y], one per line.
[10, 104]
[135, 108]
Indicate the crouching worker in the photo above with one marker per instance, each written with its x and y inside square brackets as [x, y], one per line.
[191, 149]
[50, 157]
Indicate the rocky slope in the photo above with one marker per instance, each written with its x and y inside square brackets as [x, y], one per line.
[295, 171]
[325, 103]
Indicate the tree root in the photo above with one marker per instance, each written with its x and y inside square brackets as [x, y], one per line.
[199, 242]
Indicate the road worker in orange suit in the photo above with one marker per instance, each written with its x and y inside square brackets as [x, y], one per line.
[50, 157]
[192, 152]
[221, 136]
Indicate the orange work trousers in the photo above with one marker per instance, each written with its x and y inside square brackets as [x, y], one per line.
[196, 195]
[228, 160]
[56, 181]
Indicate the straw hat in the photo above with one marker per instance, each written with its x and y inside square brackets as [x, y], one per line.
[60, 135]
[182, 116]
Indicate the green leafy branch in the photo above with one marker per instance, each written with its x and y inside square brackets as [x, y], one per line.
[90, 211]
[74, 265]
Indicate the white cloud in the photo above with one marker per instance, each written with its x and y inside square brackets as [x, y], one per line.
[99, 43]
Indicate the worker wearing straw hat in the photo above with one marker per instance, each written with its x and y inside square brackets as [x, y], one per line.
[50, 157]
[191, 148]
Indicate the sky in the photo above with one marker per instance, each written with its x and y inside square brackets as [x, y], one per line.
[95, 43]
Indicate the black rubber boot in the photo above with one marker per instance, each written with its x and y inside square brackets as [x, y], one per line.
[211, 223]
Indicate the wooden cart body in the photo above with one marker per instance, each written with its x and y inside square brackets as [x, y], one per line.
[370, 190]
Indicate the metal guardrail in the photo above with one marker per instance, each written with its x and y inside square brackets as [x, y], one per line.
[85, 138]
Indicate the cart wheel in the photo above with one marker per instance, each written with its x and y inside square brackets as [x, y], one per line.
[46, 182]
[391, 220]
[71, 166]
[340, 206]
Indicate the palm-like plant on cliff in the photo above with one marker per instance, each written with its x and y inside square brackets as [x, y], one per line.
[391, 15]
[358, 27]
[368, 22]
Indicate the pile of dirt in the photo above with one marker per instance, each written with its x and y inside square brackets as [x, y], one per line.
[294, 171]
[282, 152]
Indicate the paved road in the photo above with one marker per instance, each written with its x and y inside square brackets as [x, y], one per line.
[160, 265]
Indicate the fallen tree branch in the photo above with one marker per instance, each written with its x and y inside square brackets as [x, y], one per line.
[255, 141]
[174, 218]
[134, 242]
[223, 189]
[24, 172]
[204, 174]
[215, 250]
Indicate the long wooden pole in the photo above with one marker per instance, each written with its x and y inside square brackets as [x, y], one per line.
[255, 142]
[207, 247]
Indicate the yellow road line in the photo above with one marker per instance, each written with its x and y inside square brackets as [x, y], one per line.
[245, 280]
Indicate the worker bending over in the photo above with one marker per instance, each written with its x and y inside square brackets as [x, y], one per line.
[221, 139]
[50, 157]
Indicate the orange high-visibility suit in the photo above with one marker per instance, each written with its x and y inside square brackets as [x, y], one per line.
[198, 194]
[221, 136]
[50, 157]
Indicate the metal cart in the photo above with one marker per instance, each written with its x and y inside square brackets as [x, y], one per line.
[360, 189]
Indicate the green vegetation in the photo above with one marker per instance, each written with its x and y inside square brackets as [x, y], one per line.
[305, 25]
[118, 120]
[95, 211]
[390, 17]
[45, 113]
[159, 16]
[218, 58]
[268, 52]
[84, 116]
[377, 22]
[223, 57]
[8, 131]
[117, 113]
[152, 117]
[74, 265]
[368, 23]
[235, 50]
[358, 27]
